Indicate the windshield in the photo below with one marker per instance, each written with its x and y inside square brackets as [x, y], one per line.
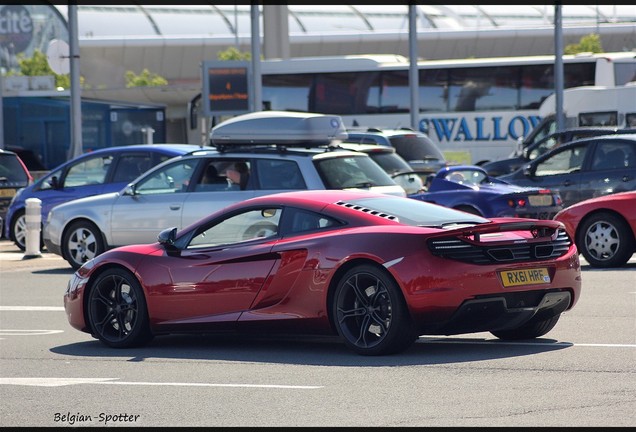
[352, 172]
[391, 162]
[418, 213]
[416, 147]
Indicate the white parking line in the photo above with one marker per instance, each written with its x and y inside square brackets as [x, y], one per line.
[14, 332]
[497, 342]
[32, 308]
[57, 382]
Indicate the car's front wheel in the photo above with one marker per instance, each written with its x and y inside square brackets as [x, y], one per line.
[82, 242]
[117, 311]
[370, 313]
[605, 240]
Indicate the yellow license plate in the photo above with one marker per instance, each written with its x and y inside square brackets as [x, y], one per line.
[7, 192]
[511, 278]
[540, 200]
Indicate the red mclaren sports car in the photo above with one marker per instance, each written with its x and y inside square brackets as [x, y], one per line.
[375, 269]
[603, 228]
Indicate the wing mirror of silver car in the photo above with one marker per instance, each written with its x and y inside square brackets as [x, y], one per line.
[129, 190]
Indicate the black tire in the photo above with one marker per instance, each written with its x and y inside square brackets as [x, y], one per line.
[605, 240]
[82, 241]
[17, 233]
[116, 310]
[534, 328]
[370, 314]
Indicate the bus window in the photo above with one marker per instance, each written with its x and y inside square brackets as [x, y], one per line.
[605, 118]
[537, 83]
[433, 92]
[284, 92]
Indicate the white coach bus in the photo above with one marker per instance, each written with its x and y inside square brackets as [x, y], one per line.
[479, 107]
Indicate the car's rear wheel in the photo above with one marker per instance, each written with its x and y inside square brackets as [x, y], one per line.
[117, 311]
[605, 240]
[370, 313]
[534, 328]
[82, 242]
[18, 231]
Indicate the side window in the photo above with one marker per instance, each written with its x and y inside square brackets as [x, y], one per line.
[604, 118]
[211, 178]
[613, 155]
[225, 175]
[246, 226]
[169, 179]
[563, 162]
[279, 174]
[131, 166]
[301, 221]
[90, 171]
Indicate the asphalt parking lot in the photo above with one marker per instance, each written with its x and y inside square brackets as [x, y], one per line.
[580, 374]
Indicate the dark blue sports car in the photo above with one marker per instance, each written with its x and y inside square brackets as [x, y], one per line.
[471, 189]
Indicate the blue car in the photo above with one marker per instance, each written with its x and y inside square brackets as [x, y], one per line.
[469, 188]
[108, 169]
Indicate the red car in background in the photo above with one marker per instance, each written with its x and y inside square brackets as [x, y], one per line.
[375, 269]
[604, 228]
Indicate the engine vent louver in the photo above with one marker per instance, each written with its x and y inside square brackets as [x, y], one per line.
[456, 248]
[367, 210]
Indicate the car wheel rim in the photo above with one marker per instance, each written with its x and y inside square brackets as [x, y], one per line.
[602, 241]
[113, 308]
[82, 245]
[364, 310]
[19, 232]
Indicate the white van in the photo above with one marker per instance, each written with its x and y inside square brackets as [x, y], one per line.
[587, 106]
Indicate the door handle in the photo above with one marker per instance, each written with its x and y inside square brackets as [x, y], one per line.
[175, 206]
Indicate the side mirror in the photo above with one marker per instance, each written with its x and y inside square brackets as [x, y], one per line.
[129, 190]
[527, 170]
[54, 182]
[167, 236]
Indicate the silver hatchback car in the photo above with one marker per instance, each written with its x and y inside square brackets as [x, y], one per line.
[187, 188]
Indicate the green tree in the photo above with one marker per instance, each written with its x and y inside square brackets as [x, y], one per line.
[232, 53]
[590, 43]
[38, 65]
[144, 79]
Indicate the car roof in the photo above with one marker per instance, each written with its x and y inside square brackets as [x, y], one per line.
[383, 131]
[587, 131]
[628, 136]
[586, 140]
[270, 149]
[367, 148]
[8, 152]
[161, 146]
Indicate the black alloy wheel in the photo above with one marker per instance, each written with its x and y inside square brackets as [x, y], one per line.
[117, 312]
[370, 313]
